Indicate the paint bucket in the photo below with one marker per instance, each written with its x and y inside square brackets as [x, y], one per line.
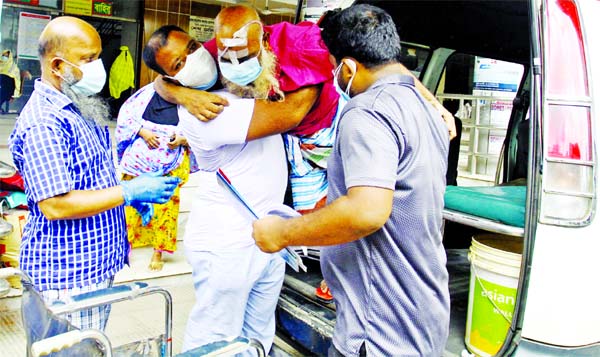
[495, 267]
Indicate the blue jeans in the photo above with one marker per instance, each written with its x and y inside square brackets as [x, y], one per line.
[236, 295]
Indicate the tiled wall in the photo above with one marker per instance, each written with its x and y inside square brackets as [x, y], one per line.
[177, 12]
[156, 14]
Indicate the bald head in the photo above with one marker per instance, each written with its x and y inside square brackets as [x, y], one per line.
[64, 32]
[65, 44]
[237, 49]
[232, 18]
[235, 17]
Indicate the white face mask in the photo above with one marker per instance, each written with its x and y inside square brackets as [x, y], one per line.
[199, 70]
[92, 79]
[344, 93]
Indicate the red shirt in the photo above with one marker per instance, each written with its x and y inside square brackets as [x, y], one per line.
[303, 60]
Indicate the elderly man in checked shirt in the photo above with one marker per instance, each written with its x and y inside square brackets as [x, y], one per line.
[75, 238]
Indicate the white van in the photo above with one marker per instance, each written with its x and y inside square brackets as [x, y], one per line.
[529, 128]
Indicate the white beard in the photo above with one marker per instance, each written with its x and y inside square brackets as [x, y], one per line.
[93, 108]
[266, 86]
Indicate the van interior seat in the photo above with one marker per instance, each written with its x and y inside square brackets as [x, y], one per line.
[504, 204]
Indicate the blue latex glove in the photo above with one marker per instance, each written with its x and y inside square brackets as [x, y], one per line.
[145, 210]
[149, 188]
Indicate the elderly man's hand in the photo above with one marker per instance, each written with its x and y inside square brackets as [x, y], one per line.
[449, 119]
[268, 233]
[203, 105]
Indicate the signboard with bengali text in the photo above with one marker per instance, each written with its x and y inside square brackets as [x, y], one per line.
[89, 7]
[202, 28]
[102, 7]
[78, 7]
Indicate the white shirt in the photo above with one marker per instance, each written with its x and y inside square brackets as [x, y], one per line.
[257, 169]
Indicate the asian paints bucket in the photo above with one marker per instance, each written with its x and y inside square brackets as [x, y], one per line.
[495, 267]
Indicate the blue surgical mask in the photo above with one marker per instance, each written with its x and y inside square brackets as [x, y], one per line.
[92, 79]
[345, 94]
[4, 58]
[242, 73]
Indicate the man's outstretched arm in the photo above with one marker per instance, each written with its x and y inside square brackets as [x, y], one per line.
[362, 211]
[271, 118]
[86, 203]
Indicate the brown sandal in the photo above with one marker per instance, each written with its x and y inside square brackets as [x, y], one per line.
[323, 293]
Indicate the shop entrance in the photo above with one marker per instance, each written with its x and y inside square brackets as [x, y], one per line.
[119, 26]
[114, 35]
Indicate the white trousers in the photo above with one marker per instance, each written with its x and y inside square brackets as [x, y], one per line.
[236, 295]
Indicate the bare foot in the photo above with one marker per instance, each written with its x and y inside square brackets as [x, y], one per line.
[156, 263]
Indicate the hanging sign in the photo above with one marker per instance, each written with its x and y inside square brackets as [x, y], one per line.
[30, 29]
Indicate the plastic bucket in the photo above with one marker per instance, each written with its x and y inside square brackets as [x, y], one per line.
[495, 267]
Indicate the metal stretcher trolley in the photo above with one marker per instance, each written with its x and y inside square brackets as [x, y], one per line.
[49, 333]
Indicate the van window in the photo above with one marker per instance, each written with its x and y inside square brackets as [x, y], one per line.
[479, 91]
[415, 57]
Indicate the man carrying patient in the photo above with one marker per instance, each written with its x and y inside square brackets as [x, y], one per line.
[236, 285]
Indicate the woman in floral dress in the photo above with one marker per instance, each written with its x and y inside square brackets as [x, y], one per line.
[148, 141]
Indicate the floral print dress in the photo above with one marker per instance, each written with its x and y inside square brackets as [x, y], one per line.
[135, 158]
